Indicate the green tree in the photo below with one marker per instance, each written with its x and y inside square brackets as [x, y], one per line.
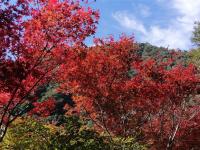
[194, 55]
[196, 34]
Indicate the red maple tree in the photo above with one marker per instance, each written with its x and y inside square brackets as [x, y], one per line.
[124, 94]
[37, 37]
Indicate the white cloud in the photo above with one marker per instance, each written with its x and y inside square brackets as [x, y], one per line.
[167, 37]
[129, 21]
[188, 8]
[178, 32]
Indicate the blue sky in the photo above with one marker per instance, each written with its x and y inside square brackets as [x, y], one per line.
[167, 23]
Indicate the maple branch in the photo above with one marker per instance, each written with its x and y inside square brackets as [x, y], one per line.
[39, 60]
[103, 121]
[171, 138]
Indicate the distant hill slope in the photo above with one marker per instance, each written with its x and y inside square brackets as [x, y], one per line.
[147, 51]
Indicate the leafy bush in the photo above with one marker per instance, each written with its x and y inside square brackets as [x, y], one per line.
[74, 134]
[30, 134]
[26, 134]
[128, 143]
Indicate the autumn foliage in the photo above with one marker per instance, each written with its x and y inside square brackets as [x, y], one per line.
[36, 39]
[113, 85]
[125, 95]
